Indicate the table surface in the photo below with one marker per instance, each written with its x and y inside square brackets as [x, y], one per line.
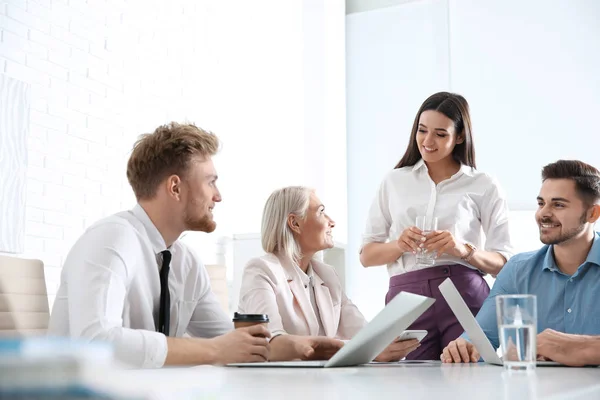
[415, 381]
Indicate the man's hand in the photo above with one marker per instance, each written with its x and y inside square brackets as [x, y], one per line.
[242, 345]
[561, 347]
[397, 350]
[460, 351]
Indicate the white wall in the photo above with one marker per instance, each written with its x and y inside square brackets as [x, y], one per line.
[323, 134]
[325, 106]
[104, 72]
[528, 70]
[395, 57]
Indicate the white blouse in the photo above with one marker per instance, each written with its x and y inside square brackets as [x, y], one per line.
[465, 204]
[308, 278]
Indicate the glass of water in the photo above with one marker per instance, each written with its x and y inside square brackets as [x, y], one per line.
[426, 224]
[517, 328]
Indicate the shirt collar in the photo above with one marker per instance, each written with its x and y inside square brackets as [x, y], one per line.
[549, 262]
[420, 164]
[154, 236]
[305, 277]
[310, 272]
[593, 256]
[464, 169]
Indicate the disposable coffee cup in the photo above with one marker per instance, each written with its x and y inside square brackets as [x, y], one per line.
[245, 320]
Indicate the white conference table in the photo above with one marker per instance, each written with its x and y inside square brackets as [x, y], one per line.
[415, 381]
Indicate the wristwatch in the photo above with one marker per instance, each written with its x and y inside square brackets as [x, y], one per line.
[472, 249]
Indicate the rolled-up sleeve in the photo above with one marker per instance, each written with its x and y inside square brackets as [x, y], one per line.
[495, 221]
[379, 221]
[97, 286]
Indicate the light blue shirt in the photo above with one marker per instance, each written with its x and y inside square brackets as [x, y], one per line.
[565, 303]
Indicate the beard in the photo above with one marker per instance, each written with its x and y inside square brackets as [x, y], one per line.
[564, 236]
[203, 223]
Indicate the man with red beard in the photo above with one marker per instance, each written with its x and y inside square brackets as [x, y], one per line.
[128, 280]
[564, 274]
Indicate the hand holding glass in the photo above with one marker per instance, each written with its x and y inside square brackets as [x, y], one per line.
[426, 224]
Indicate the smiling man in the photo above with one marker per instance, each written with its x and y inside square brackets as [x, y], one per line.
[130, 281]
[565, 273]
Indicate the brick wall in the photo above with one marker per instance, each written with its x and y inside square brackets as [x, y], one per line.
[101, 72]
[104, 71]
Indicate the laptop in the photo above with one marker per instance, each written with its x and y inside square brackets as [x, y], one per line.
[472, 327]
[371, 340]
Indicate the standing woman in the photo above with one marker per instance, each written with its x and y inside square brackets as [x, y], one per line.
[436, 177]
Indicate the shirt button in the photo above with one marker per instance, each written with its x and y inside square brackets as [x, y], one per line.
[445, 270]
[569, 310]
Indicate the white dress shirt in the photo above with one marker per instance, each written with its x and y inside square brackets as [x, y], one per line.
[110, 290]
[465, 204]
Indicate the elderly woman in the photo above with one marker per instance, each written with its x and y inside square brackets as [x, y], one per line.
[302, 296]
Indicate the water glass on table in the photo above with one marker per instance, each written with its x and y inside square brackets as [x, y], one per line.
[426, 224]
[517, 329]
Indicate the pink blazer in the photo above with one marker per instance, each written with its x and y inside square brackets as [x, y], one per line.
[271, 285]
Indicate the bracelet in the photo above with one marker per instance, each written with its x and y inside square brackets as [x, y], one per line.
[469, 255]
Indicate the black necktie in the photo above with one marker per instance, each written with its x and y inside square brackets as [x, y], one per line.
[164, 314]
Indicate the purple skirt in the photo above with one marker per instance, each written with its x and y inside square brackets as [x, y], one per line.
[439, 321]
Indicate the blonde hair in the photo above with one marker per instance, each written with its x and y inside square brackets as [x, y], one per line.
[168, 150]
[276, 234]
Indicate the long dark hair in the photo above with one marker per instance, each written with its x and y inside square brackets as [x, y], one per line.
[455, 107]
